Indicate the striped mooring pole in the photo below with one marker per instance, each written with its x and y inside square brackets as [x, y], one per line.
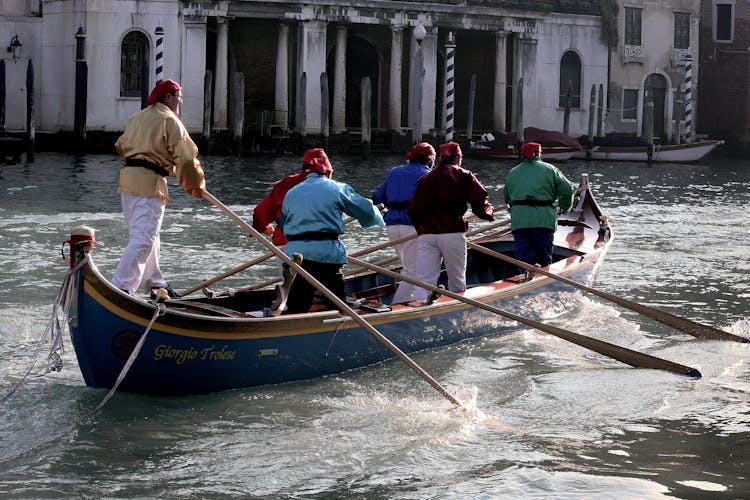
[688, 97]
[159, 32]
[450, 55]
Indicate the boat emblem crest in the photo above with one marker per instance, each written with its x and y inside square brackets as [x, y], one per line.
[124, 342]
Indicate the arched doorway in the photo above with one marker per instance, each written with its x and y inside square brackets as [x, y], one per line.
[361, 61]
[655, 90]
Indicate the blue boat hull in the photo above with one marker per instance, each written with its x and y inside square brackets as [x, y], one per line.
[187, 351]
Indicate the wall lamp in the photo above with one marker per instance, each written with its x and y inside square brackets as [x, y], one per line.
[419, 32]
[15, 47]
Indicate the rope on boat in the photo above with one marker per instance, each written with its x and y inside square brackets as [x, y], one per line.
[54, 330]
[160, 310]
[330, 344]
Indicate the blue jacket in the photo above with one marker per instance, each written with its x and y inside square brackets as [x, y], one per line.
[315, 206]
[397, 191]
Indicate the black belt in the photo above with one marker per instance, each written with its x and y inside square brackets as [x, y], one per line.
[137, 162]
[313, 235]
[533, 203]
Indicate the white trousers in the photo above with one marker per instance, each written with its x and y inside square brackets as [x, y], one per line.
[139, 263]
[451, 249]
[407, 254]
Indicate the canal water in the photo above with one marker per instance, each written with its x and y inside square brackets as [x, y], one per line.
[575, 424]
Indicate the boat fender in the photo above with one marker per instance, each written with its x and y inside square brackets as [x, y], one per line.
[82, 240]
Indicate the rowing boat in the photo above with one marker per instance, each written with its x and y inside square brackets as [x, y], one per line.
[672, 153]
[226, 340]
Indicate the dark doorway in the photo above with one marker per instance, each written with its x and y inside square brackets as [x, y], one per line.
[656, 91]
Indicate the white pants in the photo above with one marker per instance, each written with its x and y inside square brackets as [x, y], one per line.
[139, 264]
[407, 254]
[451, 248]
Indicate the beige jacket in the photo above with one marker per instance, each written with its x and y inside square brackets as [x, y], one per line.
[157, 135]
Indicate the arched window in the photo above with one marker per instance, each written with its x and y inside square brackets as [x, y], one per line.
[570, 76]
[133, 63]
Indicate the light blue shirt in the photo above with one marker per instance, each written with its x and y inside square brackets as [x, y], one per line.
[316, 205]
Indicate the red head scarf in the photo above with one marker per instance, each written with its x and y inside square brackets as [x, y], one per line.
[531, 149]
[421, 149]
[450, 149]
[162, 89]
[317, 161]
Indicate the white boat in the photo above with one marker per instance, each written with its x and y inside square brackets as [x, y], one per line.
[673, 153]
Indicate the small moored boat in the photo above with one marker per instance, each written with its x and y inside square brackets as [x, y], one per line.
[226, 340]
[672, 153]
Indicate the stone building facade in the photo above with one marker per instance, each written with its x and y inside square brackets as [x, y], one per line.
[724, 92]
[657, 42]
[249, 65]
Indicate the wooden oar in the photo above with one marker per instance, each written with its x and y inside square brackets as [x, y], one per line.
[386, 244]
[473, 232]
[241, 267]
[627, 356]
[235, 270]
[336, 300]
[679, 323]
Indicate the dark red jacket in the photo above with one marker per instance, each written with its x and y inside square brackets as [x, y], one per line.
[268, 211]
[440, 201]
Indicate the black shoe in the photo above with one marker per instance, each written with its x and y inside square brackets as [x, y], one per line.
[434, 296]
[172, 294]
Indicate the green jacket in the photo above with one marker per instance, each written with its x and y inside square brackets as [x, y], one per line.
[535, 190]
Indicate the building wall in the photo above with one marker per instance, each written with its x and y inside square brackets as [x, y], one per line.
[16, 19]
[725, 85]
[657, 44]
[190, 49]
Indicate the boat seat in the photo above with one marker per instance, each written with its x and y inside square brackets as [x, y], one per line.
[212, 310]
[378, 291]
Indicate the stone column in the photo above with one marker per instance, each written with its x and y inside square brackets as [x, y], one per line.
[311, 60]
[281, 102]
[500, 104]
[339, 82]
[429, 87]
[394, 86]
[222, 74]
[193, 62]
[526, 51]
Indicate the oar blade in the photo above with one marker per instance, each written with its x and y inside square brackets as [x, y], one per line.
[680, 323]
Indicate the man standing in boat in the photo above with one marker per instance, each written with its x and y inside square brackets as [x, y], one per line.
[437, 210]
[395, 193]
[311, 219]
[534, 191]
[268, 211]
[154, 144]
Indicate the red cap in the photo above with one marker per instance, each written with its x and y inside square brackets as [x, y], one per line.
[162, 89]
[421, 149]
[450, 149]
[317, 161]
[531, 149]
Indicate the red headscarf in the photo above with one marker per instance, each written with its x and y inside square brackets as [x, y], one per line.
[317, 161]
[162, 89]
[450, 149]
[531, 149]
[421, 149]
